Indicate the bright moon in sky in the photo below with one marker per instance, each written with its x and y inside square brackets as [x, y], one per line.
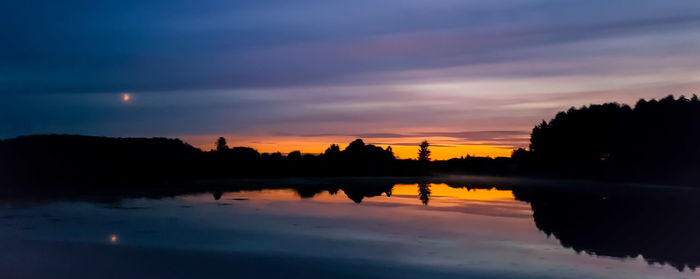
[126, 97]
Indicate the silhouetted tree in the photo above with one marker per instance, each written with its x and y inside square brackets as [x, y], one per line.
[333, 149]
[654, 140]
[294, 155]
[355, 146]
[359, 151]
[275, 156]
[244, 153]
[423, 151]
[521, 156]
[332, 152]
[221, 144]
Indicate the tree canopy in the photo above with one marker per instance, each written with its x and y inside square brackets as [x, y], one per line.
[656, 137]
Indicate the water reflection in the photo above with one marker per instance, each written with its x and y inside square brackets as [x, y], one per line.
[217, 194]
[659, 225]
[424, 193]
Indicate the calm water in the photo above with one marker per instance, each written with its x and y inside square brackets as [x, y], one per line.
[426, 230]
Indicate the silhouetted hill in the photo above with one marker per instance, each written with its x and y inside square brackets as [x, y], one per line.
[73, 160]
[68, 158]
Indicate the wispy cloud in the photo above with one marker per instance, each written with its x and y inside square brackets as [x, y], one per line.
[469, 72]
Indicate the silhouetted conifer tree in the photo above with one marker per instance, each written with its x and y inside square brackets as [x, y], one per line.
[423, 151]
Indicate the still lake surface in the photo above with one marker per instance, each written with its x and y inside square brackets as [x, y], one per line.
[359, 229]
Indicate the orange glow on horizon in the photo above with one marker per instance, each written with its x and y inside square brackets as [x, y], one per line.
[441, 149]
[455, 151]
[126, 97]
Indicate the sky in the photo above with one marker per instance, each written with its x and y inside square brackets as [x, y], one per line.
[471, 77]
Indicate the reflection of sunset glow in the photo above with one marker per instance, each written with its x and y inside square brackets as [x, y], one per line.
[126, 97]
[438, 192]
[442, 190]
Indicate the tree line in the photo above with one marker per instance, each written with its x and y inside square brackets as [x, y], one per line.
[654, 141]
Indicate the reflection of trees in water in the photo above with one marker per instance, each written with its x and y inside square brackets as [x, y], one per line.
[355, 192]
[424, 193]
[217, 194]
[358, 192]
[306, 192]
[661, 225]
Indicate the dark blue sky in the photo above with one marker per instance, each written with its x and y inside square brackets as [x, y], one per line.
[259, 70]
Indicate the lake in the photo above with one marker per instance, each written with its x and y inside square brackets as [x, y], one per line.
[460, 227]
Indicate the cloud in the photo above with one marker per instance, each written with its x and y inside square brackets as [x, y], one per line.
[500, 138]
[469, 71]
[177, 45]
[380, 135]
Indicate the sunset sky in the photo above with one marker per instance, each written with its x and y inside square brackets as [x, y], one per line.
[472, 77]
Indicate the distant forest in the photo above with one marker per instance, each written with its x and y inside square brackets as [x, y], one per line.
[656, 141]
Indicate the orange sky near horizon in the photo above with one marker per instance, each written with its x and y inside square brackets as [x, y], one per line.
[442, 148]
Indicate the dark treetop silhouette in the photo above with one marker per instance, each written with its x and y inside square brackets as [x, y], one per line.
[424, 151]
[656, 141]
[82, 160]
